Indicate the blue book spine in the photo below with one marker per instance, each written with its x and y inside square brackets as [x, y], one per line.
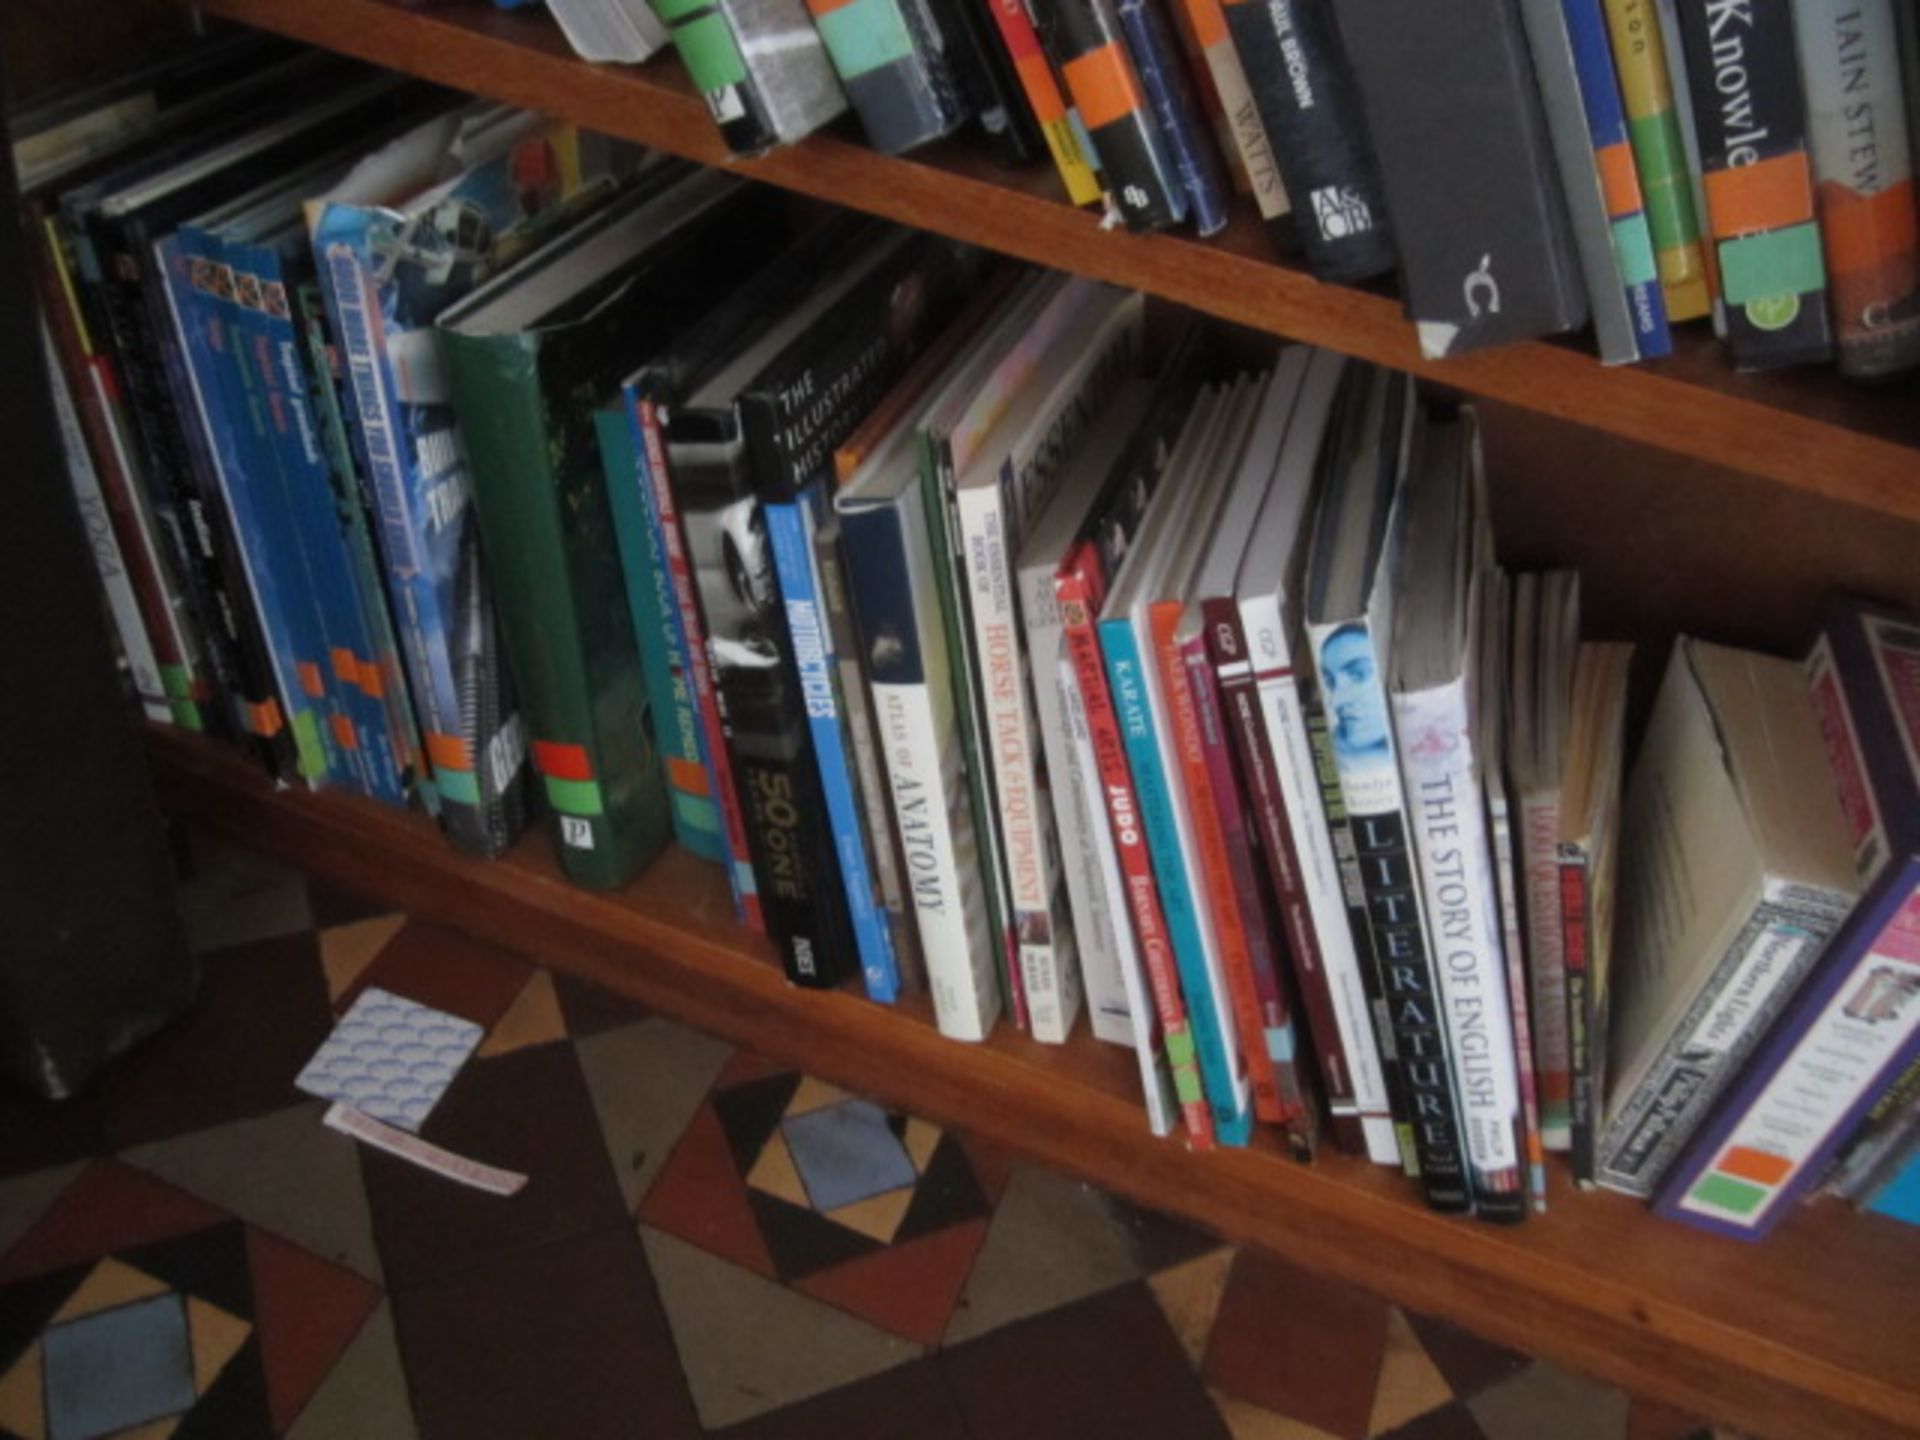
[1613, 153]
[790, 527]
[200, 284]
[1157, 59]
[317, 527]
[1232, 1121]
[696, 821]
[277, 520]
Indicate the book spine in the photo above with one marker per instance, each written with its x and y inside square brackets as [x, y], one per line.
[438, 590]
[1214, 870]
[1449, 829]
[1751, 124]
[704, 39]
[385, 677]
[852, 700]
[1881, 1143]
[1660, 157]
[1207, 21]
[1158, 61]
[300, 506]
[325, 533]
[795, 864]
[1576, 932]
[1376, 808]
[1630, 237]
[1486, 255]
[666, 515]
[670, 715]
[790, 527]
[1060, 125]
[1303, 90]
[95, 519]
[1078, 828]
[1085, 40]
[1851, 1029]
[1755, 978]
[897, 81]
[940, 506]
[203, 353]
[191, 514]
[791, 73]
[1864, 181]
[1078, 604]
[1519, 1005]
[1033, 872]
[1213, 1033]
[1081, 784]
[163, 606]
[1546, 957]
[1239, 699]
[889, 566]
[1246, 890]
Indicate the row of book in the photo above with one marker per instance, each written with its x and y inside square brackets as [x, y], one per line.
[1526, 165]
[441, 453]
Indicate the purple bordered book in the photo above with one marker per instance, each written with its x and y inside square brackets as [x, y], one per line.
[1855, 1025]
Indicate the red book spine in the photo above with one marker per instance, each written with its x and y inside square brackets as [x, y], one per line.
[1079, 588]
[1235, 958]
[1245, 723]
[1574, 935]
[705, 697]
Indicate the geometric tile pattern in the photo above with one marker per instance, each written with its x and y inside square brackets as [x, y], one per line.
[708, 1244]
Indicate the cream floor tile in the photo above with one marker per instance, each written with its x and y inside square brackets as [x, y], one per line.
[647, 1080]
[25, 1198]
[365, 1395]
[1545, 1400]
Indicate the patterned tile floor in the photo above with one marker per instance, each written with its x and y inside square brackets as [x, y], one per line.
[708, 1244]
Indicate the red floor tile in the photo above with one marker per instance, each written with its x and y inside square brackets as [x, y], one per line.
[910, 1289]
[699, 1198]
[306, 1310]
[447, 970]
[109, 1207]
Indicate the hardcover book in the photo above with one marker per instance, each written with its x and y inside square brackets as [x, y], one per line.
[1240, 120]
[1160, 65]
[1486, 255]
[1750, 119]
[1060, 125]
[759, 64]
[1303, 88]
[893, 61]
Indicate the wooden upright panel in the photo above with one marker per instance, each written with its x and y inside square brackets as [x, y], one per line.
[1813, 1333]
[1808, 430]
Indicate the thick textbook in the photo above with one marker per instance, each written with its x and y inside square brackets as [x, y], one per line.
[388, 273]
[1299, 80]
[896, 67]
[1486, 256]
[1750, 120]
[1736, 868]
[530, 357]
[1855, 1024]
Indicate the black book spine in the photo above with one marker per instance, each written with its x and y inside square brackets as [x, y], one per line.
[1310, 109]
[185, 495]
[1189, 138]
[1391, 883]
[757, 687]
[988, 80]
[1084, 40]
[1751, 119]
[1486, 249]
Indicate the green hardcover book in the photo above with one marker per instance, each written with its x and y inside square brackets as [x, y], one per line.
[530, 358]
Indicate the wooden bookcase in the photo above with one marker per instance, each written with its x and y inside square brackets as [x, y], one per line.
[1689, 496]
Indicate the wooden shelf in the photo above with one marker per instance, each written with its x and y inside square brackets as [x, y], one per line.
[1808, 430]
[1816, 1332]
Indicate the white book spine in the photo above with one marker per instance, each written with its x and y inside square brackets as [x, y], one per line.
[1279, 690]
[1025, 819]
[107, 558]
[1546, 957]
[1076, 823]
[1462, 904]
[1082, 769]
